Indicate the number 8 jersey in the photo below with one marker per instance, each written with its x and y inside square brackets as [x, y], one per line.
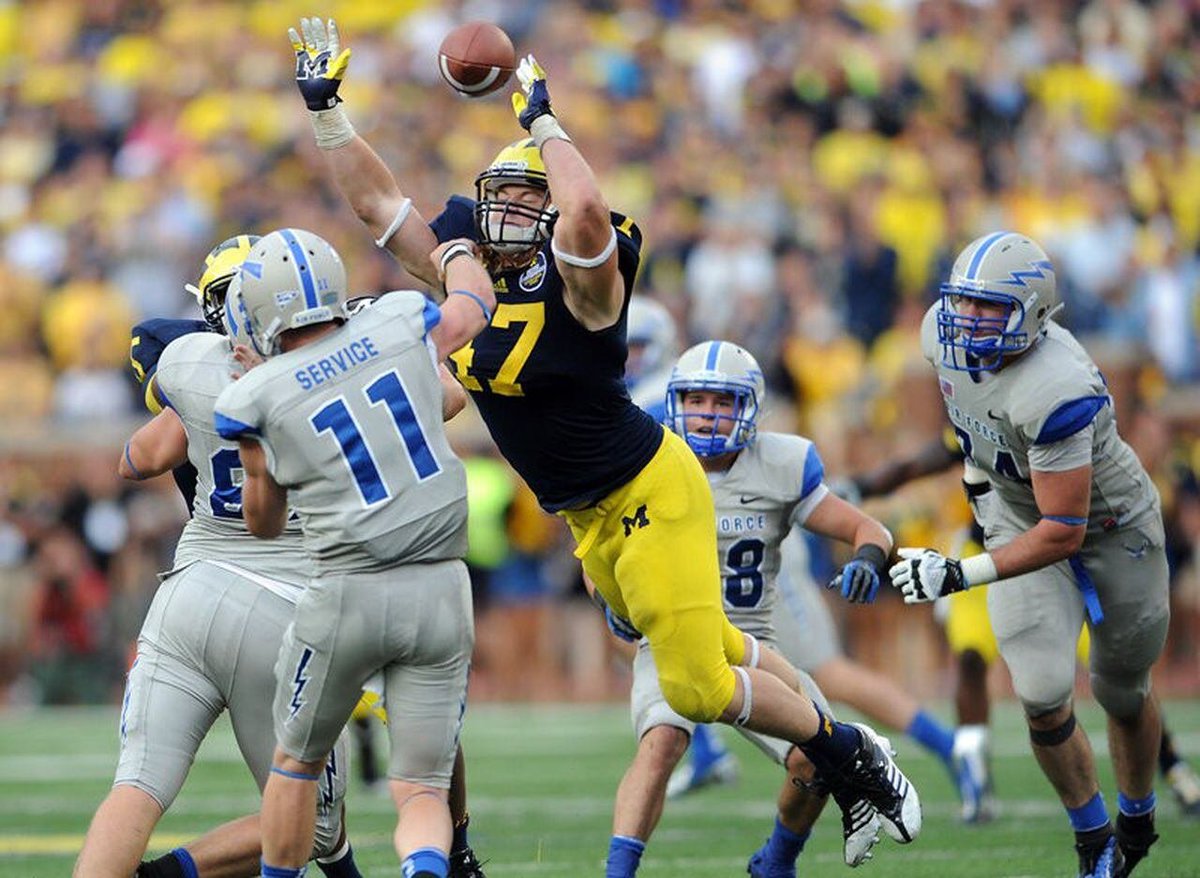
[191, 373]
[352, 426]
[773, 485]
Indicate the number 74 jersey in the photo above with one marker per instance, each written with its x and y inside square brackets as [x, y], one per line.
[352, 426]
[774, 485]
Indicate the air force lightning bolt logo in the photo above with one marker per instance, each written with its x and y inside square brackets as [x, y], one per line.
[1038, 269]
[299, 681]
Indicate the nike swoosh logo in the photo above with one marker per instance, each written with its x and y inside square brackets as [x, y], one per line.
[744, 499]
[994, 416]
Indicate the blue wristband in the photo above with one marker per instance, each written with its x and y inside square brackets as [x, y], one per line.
[487, 315]
[129, 462]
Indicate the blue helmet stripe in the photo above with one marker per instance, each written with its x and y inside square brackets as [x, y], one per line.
[714, 350]
[303, 268]
[981, 252]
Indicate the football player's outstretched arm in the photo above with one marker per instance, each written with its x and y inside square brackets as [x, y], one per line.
[264, 501]
[156, 447]
[470, 299]
[858, 579]
[584, 241]
[359, 172]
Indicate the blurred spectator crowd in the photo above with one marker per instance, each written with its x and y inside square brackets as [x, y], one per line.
[803, 175]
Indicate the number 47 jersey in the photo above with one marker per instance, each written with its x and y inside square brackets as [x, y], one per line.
[352, 426]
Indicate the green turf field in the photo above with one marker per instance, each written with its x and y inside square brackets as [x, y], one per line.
[541, 786]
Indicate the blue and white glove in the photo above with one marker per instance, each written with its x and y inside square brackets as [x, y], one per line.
[924, 575]
[858, 580]
[617, 624]
[532, 104]
[321, 62]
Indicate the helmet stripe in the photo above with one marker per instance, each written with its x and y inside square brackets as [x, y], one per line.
[303, 268]
[714, 351]
[981, 252]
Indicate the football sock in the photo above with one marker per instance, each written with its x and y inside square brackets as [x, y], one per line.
[834, 744]
[1090, 817]
[426, 863]
[459, 840]
[932, 735]
[624, 854]
[706, 746]
[340, 864]
[784, 845]
[282, 871]
[1136, 807]
[1167, 757]
[175, 864]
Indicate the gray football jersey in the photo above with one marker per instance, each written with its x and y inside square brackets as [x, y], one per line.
[193, 371]
[1045, 396]
[772, 486]
[352, 427]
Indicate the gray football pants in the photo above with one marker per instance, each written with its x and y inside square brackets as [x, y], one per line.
[209, 643]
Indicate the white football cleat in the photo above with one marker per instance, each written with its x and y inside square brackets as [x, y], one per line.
[972, 772]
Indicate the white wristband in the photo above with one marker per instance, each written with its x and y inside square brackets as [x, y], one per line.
[332, 127]
[546, 128]
[979, 569]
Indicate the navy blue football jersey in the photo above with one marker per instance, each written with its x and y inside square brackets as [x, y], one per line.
[551, 392]
[148, 340]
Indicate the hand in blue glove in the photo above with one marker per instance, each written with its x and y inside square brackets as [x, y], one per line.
[858, 580]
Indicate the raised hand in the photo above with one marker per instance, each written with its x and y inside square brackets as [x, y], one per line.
[924, 575]
[320, 62]
[534, 99]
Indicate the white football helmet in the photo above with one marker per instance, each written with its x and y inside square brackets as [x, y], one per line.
[1005, 268]
[292, 278]
[721, 367]
[651, 330]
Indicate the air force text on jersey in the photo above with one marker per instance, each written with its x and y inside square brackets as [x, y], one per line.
[342, 360]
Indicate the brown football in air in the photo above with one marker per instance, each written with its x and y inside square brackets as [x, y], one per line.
[476, 58]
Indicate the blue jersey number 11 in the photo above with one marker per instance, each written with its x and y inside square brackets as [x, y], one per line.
[336, 418]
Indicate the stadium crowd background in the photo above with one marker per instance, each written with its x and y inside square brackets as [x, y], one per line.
[802, 173]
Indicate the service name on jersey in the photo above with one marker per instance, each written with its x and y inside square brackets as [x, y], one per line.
[342, 360]
[738, 524]
[967, 421]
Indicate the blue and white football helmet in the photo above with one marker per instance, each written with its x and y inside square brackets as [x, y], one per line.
[290, 279]
[719, 367]
[1005, 268]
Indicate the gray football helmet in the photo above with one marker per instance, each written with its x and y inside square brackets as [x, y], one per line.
[1008, 269]
[721, 367]
[290, 279]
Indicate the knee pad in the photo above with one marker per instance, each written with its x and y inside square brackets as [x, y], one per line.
[1053, 737]
[1121, 698]
[689, 701]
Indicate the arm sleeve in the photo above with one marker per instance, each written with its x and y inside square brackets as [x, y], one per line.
[1071, 452]
[812, 486]
[235, 415]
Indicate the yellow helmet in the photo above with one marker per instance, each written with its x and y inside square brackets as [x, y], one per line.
[220, 265]
[513, 231]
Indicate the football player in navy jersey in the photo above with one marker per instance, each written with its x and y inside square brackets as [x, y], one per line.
[547, 375]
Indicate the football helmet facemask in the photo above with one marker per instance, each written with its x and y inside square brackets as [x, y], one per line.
[291, 279]
[1006, 269]
[220, 265]
[651, 329]
[719, 367]
[511, 232]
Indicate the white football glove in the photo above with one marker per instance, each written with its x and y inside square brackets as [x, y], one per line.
[924, 575]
